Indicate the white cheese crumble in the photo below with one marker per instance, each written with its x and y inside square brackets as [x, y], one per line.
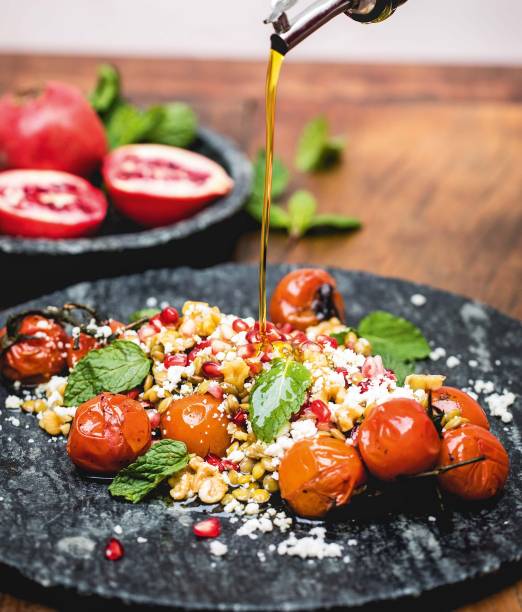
[13, 402]
[452, 361]
[417, 299]
[437, 353]
[499, 404]
[218, 549]
[312, 546]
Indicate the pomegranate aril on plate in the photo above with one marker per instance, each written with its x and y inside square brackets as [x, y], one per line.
[327, 340]
[154, 418]
[176, 359]
[320, 411]
[239, 326]
[169, 316]
[215, 390]
[208, 528]
[211, 369]
[240, 418]
[213, 460]
[114, 550]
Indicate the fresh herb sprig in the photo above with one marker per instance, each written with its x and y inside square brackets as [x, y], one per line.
[317, 150]
[174, 123]
[300, 214]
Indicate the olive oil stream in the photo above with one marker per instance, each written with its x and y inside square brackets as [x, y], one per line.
[275, 62]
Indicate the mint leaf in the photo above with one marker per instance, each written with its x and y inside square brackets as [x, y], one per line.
[126, 124]
[394, 336]
[107, 90]
[277, 394]
[144, 313]
[121, 366]
[161, 461]
[176, 125]
[279, 218]
[316, 150]
[336, 222]
[301, 208]
[400, 368]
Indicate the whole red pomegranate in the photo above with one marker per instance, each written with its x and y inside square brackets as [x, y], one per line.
[55, 129]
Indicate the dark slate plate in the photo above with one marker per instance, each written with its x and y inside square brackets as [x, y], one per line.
[120, 234]
[53, 524]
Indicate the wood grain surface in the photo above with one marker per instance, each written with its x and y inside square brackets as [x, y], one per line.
[432, 167]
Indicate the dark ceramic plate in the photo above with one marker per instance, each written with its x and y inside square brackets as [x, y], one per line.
[54, 524]
[120, 234]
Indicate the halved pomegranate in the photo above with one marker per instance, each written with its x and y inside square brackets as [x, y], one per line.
[49, 204]
[157, 185]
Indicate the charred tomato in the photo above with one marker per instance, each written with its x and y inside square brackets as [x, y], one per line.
[306, 297]
[197, 421]
[55, 129]
[48, 204]
[447, 398]
[108, 432]
[38, 356]
[157, 185]
[398, 438]
[316, 475]
[476, 481]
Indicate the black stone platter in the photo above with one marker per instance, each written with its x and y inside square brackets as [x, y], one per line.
[54, 524]
[120, 234]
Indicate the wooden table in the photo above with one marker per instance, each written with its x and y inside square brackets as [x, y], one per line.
[433, 169]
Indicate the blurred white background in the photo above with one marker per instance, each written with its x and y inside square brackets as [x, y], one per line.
[455, 31]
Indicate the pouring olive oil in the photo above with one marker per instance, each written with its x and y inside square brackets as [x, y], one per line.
[272, 77]
[287, 34]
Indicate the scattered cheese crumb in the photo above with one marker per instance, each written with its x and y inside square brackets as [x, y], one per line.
[217, 548]
[417, 299]
[437, 353]
[13, 402]
[452, 361]
[118, 529]
[312, 546]
[499, 404]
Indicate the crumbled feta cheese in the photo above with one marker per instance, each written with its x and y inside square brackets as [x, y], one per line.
[252, 508]
[303, 428]
[473, 363]
[313, 546]
[437, 353]
[499, 404]
[218, 549]
[452, 361]
[151, 302]
[236, 456]
[118, 529]
[417, 299]
[13, 402]
[141, 540]
[264, 525]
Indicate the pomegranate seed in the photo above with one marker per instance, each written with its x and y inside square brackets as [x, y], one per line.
[175, 359]
[226, 464]
[298, 337]
[209, 528]
[327, 340]
[215, 390]
[390, 374]
[239, 325]
[156, 322]
[321, 411]
[373, 367]
[286, 328]
[308, 345]
[133, 394]
[211, 369]
[252, 336]
[114, 550]
[199, 347]
[265, 358]
[364, 385]
[342, 371]
[169, 316]
[247, 350]
[240, 418]
[154, 418]
[213, 460]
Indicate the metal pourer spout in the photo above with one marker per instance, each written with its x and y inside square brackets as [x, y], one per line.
[289, 33]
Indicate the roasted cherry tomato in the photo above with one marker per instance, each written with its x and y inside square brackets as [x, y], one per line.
[306, 297]
[108, 432]
[479, 480]
[316, 475]
[35, 360]
[470, 409]
[398, 438]
[86, 343]
[197, 421]
[157, 184]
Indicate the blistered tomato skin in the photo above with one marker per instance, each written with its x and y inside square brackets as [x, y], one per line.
[316, 475]
[470, 409]
[197, 421]
[155, 185]
[77, 350]
[35, 360]
[476, 481]
[108, 432]
[305, 297]
[398, 438]
[56, 129]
